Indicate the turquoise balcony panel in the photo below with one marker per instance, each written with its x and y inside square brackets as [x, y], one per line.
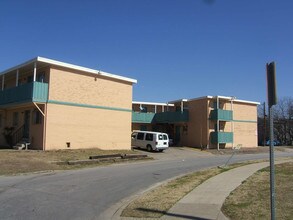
[142, 117]
[222, 115]
[172, 117]
[29, 92]
[221, 137]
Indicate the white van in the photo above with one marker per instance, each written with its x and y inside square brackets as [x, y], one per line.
[149, 140]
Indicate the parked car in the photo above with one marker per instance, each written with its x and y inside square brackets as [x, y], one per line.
[151, 141]
[275, 143]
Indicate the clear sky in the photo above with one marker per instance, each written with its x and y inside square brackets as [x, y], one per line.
[174, 48]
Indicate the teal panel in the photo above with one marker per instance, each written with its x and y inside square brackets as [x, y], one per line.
[172, 117]
[34, 91]
[141, 117]
[88, 106]
[40, 92]
[221, 137]
[222, 115]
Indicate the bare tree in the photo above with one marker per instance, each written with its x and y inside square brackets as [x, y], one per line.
[283, 120]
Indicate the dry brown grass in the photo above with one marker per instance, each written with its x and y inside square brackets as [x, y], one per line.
[158, 201]
[15, 162]
[251, 200]
[164, 197]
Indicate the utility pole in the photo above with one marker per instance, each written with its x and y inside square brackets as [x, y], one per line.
[272, 100]
[264, 124]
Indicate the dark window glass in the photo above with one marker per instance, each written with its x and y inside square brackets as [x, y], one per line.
[149, 137]
[140, 136]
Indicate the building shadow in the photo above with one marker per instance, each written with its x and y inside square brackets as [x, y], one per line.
[171, 214]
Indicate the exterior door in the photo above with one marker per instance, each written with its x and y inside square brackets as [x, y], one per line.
[26, 129]
[177, 134]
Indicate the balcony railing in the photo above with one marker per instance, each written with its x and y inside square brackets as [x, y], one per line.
[162, 117]
[172, 117]
[29, 92]
[221, 137]
[142, 117]
[222, 115]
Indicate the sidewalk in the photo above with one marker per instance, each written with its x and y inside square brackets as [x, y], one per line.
[206, 200]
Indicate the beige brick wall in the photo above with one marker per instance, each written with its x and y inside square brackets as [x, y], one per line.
[87, 128]
[83, 88]
[197, 126]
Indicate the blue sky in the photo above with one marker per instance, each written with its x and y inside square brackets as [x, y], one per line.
[174, 48]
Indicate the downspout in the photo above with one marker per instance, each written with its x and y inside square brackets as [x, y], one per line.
[45, 126]
[232, 122]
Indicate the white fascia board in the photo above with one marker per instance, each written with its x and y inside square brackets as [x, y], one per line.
[70, 66]
[19, 66]
[226, 98]
[85, 69]
[152, 103]
[179, 100]
[234, 100]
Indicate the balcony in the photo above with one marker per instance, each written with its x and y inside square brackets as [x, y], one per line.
[29, 92]
[162, 117]
[221, 137]
[222, 115]
[142, 117]
[172, 117]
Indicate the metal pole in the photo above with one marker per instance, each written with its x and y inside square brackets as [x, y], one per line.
[264, 124]
[272, 168]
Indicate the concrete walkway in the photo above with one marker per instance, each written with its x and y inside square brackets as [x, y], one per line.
[206, 200]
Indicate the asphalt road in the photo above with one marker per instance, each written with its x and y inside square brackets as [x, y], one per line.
[87, 193]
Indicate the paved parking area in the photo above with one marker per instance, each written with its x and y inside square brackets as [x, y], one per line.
[176, 152]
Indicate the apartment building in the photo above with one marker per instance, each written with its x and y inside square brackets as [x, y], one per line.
[56, 105]
[205, 122]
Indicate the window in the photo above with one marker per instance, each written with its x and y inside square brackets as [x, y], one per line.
[37, 117]
[15, 119]
[133, 135]
[160, 137]
[149, 137]
[165, 137]
[140, 136]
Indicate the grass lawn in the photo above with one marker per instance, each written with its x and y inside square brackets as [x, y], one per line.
[162, 198]
[251, 200]
[15, 162]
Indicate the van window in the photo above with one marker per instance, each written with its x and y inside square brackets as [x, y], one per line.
[160, 137]
[165, 137]
[140, 136]
[133, 135]
[149, 137]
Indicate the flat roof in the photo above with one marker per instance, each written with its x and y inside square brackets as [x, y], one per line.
[152, 103]
[70, 66]
[179, 100]
[171, 103]
[226, 98]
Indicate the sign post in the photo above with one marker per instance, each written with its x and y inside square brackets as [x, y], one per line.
[272, 100]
